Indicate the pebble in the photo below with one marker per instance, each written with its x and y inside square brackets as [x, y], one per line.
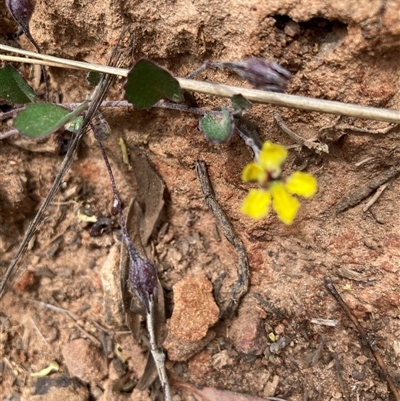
[247, 333]
[84, 361]
[292, 29]
[357, 375]
[279, 345]
[195, 309]
[27, 282]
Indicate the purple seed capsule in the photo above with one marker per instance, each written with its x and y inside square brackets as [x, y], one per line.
[22, 11]
[261, 73]
[143, 279]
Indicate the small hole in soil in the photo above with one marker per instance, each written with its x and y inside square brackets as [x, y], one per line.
[320, 27]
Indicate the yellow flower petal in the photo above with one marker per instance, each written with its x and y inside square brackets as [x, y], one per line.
[302, 184]
[254, 172]
[284, 204]
[272, 156]
[256, 203]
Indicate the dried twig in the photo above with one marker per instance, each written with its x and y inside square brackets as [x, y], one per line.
[357, 196]
[313, 144]
[368, 338]
[339, 376]
[73, 316]
[242, 284]
[254, 95]
[376, 196]
[271, 307]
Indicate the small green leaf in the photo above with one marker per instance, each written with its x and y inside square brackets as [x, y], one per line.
[41, 119]
[75, 124]
[148, 83]
[13, 88]
[240, 103]
[93, 77]
[217, 128]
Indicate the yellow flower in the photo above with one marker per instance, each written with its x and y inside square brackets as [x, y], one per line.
[302, 184]
[256, 203]
[266, 171]
[272, 156]
[254, 172]
[269, 162]
[284, 204]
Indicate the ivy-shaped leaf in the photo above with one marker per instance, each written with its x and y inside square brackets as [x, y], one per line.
[217, 128]
[41, 119]
[13, 88]
[148, 83]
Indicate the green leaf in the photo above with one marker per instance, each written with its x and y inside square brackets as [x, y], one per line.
[13, 88]
[75, 124]
[41, 119]
[217, 128]
[148, 83]
[240, 103]
[93, 77]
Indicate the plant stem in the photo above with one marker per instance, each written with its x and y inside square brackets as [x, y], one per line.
[221, 90]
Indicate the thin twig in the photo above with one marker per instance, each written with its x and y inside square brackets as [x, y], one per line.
[242, 284]
[271, 307]
[162, 104]
[249, 135]
[254, 95]
[314, 145]
[357, 196]
[157, 353]
[364, 335]
[6, 134]
[339, 376]
[376, 196]
[73, 316]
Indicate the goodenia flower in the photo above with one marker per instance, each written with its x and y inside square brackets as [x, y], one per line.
[269, 162]
[266, 171]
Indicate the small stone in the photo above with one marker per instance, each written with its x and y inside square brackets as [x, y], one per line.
[27, 282]
[279, 329]
[179, 350]
[110, 279]
[200, 365]
[278, 346]
[195, 309]
[96, 392]
[357, 375]
[362, 359]
[84, 361]
[246, 332]
[270, 387]
[221, 360]
[292, 29]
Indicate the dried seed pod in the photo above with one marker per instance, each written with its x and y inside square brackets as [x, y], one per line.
[261, 73]
[142, 278]
[22, 11]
